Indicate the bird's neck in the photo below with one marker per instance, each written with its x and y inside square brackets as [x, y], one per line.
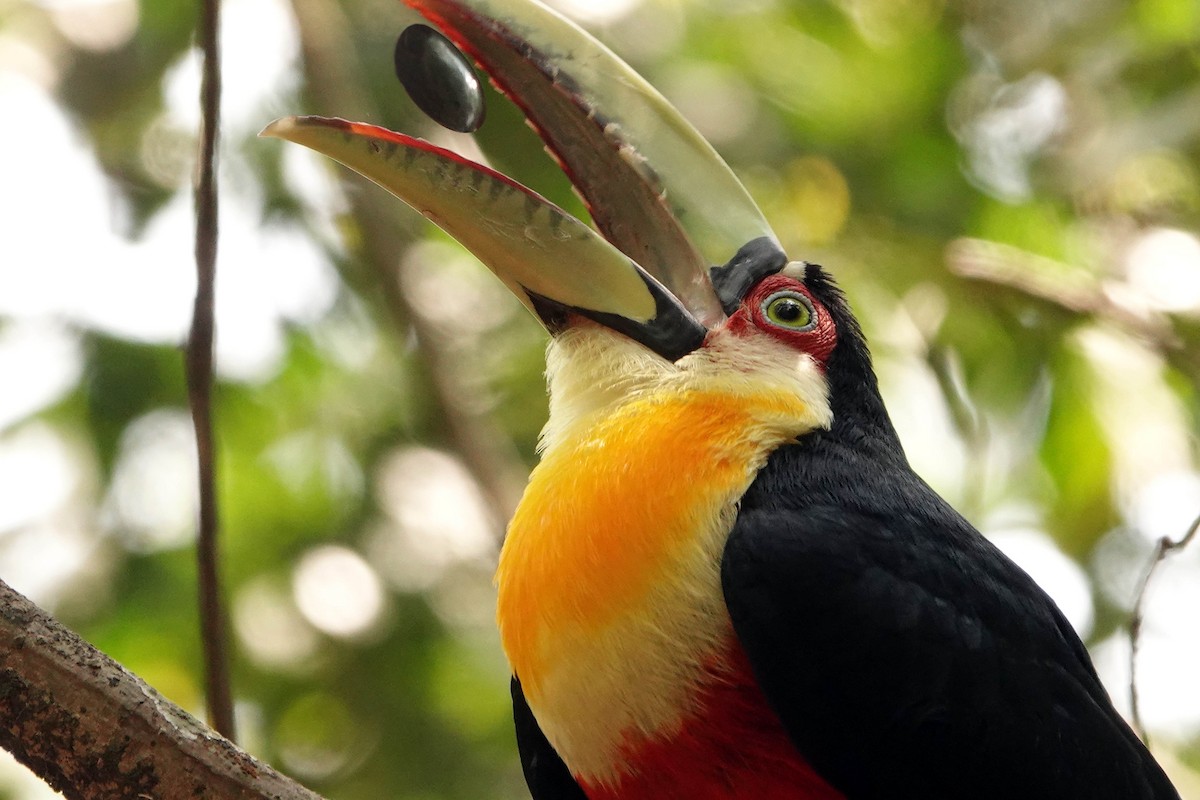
[610, 606]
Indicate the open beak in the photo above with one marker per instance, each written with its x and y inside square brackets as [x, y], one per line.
[681, 239]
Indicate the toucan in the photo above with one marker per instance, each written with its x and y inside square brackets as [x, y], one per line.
[724, 580]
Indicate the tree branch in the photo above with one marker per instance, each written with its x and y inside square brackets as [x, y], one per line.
[92, 730]
[1050, 281]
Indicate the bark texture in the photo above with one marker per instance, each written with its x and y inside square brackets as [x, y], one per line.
[91, 729]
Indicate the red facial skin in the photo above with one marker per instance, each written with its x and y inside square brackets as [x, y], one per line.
[818, 342]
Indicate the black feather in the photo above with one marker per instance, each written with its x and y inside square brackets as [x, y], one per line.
[546, 774]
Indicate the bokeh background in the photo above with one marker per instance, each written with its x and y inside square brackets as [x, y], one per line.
[1006, 188]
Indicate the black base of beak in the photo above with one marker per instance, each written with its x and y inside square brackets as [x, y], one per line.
[672, 333]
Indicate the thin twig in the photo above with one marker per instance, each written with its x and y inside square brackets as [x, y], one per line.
[968, 421]
[1162, 549]
[200, 379]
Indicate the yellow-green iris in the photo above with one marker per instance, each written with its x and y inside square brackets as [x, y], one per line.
[790, 310]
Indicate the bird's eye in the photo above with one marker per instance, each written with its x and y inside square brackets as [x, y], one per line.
[790, 310]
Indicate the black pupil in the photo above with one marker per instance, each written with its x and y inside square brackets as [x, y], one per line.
[788, 310]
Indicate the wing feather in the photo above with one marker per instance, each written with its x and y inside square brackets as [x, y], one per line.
[908, 658]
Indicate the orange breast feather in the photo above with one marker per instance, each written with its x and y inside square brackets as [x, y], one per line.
[611, 512]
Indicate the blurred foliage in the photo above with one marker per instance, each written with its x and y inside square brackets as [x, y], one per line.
[987, 178]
